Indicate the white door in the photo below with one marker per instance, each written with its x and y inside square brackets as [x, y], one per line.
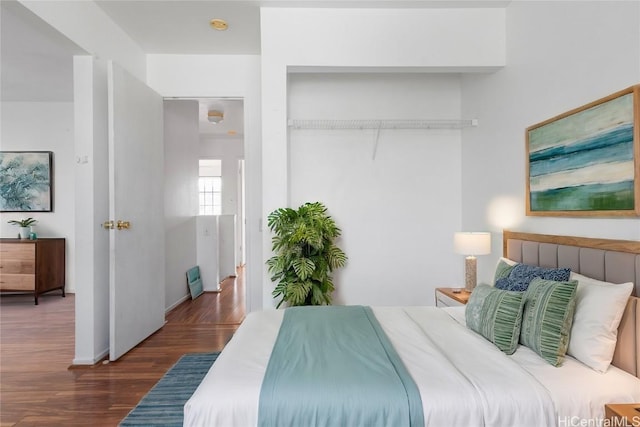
[136, 197]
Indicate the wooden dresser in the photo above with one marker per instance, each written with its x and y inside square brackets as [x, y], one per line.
[35, 266]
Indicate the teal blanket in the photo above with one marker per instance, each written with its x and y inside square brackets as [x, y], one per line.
[334, 366]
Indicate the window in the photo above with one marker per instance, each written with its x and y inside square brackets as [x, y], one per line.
[210, 187]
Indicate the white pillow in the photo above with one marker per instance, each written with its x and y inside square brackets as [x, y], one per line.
[506, 260]
[599, 308]
[498, 270]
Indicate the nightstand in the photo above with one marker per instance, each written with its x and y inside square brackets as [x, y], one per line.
[451, 297]
[623, 414]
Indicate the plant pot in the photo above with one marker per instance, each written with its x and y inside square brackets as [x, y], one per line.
[24, 232]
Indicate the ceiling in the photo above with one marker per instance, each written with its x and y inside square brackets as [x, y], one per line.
[182, 27]
[232, 124]
[36, 60]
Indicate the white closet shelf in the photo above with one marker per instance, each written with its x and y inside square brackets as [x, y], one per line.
[381, 124]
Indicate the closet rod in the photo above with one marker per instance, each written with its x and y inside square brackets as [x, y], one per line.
[381, 124]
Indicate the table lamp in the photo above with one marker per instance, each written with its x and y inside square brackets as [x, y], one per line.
[471, 244]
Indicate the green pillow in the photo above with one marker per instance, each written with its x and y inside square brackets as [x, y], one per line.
[496, 315]
[503, 269]
[547, 318]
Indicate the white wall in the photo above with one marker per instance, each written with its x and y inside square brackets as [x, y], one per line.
[181, 195]
[208, 247]
[227, 245]
[45, 126]
[230, 151]
[399, 210]
[224, 76]
[91, 208]
[426, 40]
[560, 55]
[216, 247]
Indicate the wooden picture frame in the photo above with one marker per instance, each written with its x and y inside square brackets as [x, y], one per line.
[586, 162]
[26, 181]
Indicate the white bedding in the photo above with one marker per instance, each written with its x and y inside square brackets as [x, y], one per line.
[463, 379]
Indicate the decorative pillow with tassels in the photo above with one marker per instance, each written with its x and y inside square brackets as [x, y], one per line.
[496, 315]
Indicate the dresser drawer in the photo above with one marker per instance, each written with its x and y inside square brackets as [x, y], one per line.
[445, 301]
[21, 251]
[17, 282]
[17, 266]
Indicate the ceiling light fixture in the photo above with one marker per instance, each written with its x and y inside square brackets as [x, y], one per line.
[215, 116]
[219, 24]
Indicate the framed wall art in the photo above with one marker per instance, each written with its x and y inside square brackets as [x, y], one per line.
[194, 281]
[26, 181]
[586, 161]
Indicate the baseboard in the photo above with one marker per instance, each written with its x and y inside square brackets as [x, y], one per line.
[89, 362]
[177, 303]
[219, 289]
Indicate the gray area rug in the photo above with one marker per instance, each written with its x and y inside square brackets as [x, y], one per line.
[163, 405]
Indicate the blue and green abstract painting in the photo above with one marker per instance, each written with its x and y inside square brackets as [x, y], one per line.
[25, 181]
[584, 162]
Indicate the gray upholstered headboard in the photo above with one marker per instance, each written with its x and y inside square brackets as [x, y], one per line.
[615, 261]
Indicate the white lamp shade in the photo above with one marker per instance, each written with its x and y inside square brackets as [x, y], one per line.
[472, 243]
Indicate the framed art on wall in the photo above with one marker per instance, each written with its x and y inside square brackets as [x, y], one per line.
[585, 162]
[26, 181]
[194, 281]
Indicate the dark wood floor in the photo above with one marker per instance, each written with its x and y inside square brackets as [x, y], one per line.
[38, 387]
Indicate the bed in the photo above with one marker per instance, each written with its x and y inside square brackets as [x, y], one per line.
[462, 378]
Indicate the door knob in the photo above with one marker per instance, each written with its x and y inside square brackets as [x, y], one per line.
[108, 225]
[123, 225]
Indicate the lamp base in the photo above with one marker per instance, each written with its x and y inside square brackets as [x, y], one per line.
[470, 273]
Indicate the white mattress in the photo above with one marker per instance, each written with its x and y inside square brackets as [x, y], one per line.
[463, 379]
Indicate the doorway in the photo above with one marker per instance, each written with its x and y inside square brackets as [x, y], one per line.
[220, 222]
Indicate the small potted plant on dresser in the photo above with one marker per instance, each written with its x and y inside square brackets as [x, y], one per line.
[25, 226]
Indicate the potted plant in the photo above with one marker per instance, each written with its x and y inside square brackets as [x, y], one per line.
[25, 226]
[305, 254]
